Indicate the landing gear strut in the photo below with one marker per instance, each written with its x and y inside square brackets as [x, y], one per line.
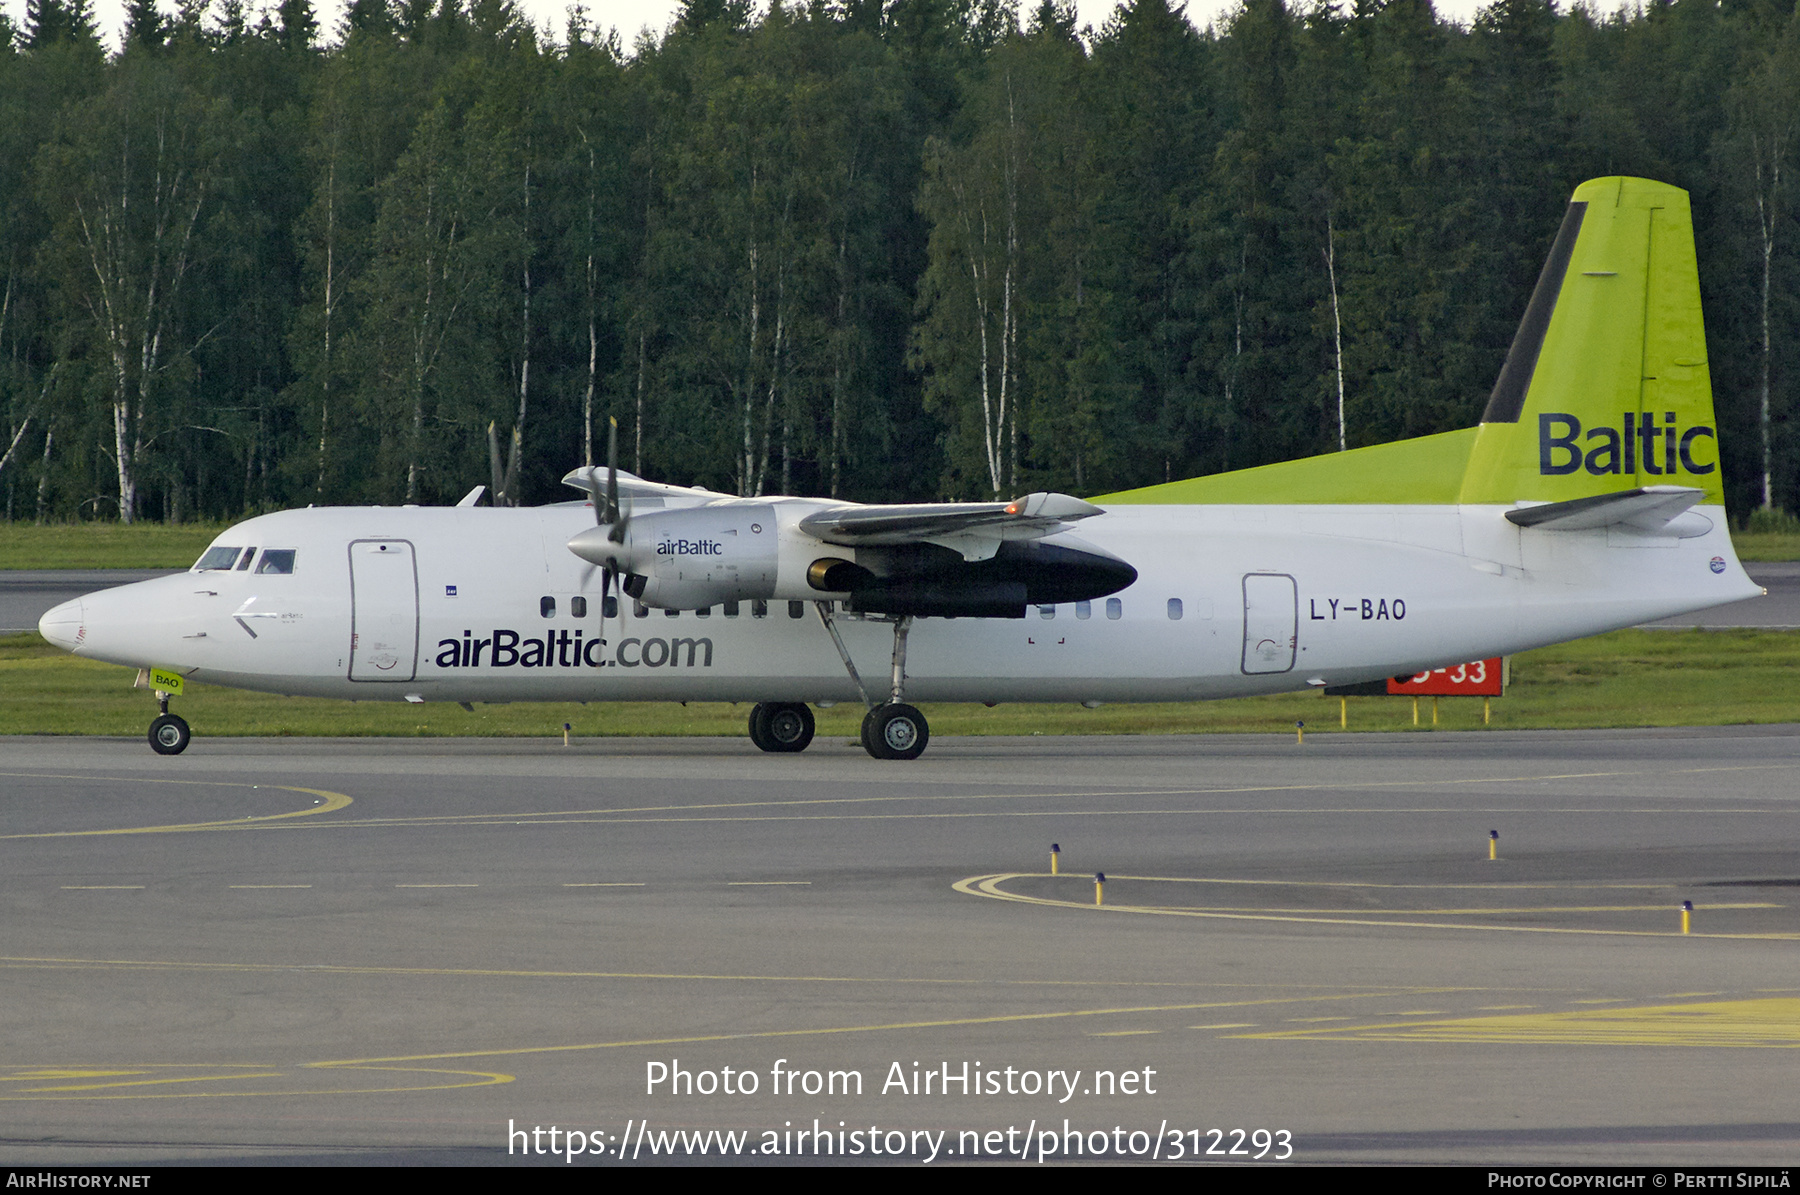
[893, 730]
[169, 733]
[781, 726]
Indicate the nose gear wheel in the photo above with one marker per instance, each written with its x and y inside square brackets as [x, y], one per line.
[169, 734]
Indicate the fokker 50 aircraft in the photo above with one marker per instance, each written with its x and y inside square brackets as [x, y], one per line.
[1587, 499]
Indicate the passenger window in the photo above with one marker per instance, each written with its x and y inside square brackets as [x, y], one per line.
[759, 608]
[639, 610]
[731, 609]
[1114, 608]
[217, 558]
[671, 614]
[1174, 609]
[703, 612]
[796, 609]
[249, 555]
[547, 607]
[276, 561]
[578, 607]
[609, 606]
[1046, 612]
[1084, 610]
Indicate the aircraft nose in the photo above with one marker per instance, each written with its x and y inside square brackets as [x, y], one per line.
[64, 625]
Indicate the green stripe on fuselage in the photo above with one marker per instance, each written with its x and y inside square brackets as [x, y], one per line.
[1428, 470]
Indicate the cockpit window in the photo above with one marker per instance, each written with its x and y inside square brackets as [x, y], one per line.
[217, 557]
[277, 560]
[249, 555]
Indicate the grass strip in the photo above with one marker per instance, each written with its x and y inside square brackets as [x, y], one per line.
[104, 545]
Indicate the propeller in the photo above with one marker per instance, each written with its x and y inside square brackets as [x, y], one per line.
[609, 514]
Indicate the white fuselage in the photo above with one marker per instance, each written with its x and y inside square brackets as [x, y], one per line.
[474, 604]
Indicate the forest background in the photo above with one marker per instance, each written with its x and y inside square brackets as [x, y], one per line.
[875, 249]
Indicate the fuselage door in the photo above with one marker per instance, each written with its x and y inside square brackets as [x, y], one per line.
[1271, 622]
[384, 610]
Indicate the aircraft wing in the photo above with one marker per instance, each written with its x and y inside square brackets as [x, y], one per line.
[1651, 508]
[975, 529]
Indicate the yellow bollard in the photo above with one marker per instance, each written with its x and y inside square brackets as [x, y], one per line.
[1343, 713]
[1099, 887]
[1434, 711]
[566, 729]
[1415, 711]
[1493, 845]
[1299, 732]
[1055, 850]
[1486, 702]
[1687, 912]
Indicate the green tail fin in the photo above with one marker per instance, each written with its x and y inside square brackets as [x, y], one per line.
[1606, 386]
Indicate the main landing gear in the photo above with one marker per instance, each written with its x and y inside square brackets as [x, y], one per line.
[893, 730]
[169, 733]
[781, 726]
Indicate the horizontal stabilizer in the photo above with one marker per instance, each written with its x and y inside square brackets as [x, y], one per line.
[1649, 509]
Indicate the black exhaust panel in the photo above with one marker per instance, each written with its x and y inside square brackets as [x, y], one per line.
[932, 582]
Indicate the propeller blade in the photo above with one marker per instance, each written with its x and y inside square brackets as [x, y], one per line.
[618, 515]
[612, 474]
[606, 595]
[593, 489]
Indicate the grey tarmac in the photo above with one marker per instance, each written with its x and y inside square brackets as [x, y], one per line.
[388, 951]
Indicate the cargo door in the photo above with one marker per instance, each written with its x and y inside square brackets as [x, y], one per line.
[384, 617]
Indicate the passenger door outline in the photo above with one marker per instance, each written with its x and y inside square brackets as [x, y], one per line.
[384, 610]
[1271, 623]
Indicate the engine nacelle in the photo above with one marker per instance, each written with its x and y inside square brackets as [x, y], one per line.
[696, 557]
[692, 558]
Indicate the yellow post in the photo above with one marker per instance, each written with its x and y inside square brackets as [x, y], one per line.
[1493, 845]
[1486, 703]
[1687, 912]
[566, 729]
[1343, 713]
[1299, 732]
[1055, 850]
[1434, 711]
[1099, 887]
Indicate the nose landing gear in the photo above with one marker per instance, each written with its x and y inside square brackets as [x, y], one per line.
[169, 733]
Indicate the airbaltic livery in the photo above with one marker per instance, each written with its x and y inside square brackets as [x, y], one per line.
[1588, 499]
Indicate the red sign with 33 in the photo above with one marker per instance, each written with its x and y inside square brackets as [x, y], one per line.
[1479, 678]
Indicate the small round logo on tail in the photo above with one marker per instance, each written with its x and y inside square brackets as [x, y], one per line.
[1718, 564]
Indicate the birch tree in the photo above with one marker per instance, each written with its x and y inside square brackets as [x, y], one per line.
[131, 172]
[1765, 111]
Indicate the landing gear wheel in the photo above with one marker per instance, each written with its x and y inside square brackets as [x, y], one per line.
[781, 727]
[788, 726]
[895, 731]
[169, 734]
